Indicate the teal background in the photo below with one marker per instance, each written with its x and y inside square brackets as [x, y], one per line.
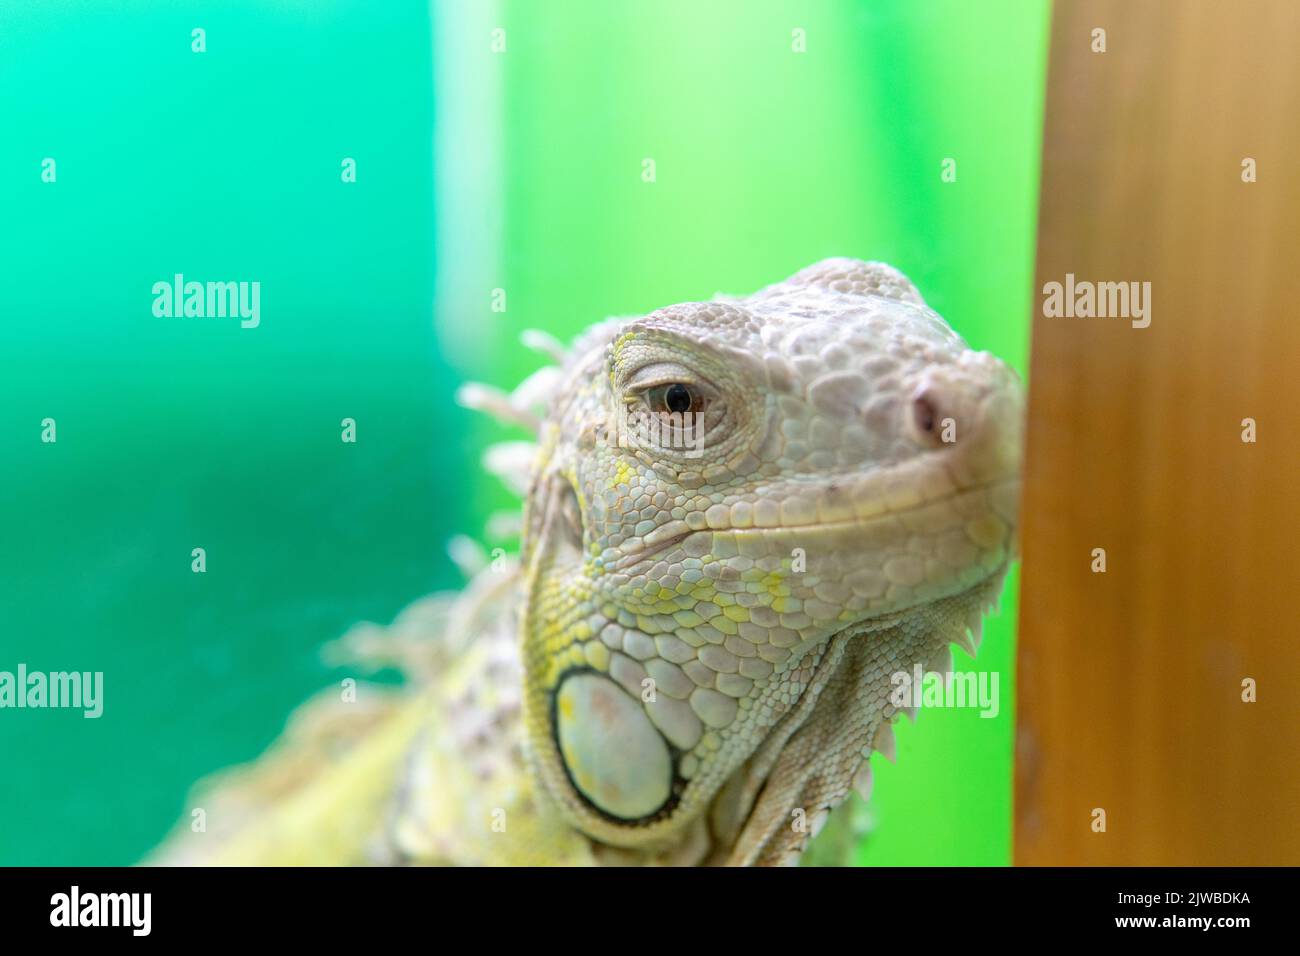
[476, 170]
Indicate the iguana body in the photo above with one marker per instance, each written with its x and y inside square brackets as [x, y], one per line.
[742, 517]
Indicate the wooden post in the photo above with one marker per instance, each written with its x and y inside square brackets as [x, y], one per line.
[1131, 680]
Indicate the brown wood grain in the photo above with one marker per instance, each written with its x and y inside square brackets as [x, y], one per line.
[1130, 681]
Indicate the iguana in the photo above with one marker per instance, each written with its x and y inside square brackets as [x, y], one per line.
[741, 518]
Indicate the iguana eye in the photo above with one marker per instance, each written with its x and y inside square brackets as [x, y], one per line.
[675, 398]
[672, 409]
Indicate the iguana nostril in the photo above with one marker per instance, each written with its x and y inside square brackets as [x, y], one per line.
[925, 415]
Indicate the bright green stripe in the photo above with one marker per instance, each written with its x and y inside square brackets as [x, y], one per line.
[768, 160]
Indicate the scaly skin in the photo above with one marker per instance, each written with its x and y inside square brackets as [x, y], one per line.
[691, 661]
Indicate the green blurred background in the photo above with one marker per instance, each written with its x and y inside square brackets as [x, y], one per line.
[477, 170]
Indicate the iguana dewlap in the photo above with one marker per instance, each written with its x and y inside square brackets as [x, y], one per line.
[742, 517]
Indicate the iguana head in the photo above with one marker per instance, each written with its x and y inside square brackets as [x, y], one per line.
[744, 516]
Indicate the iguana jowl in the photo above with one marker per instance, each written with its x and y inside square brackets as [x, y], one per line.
[742, 517]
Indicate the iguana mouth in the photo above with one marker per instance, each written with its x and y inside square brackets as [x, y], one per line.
[1012, 482]
[648, 552]
[1003, 493]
